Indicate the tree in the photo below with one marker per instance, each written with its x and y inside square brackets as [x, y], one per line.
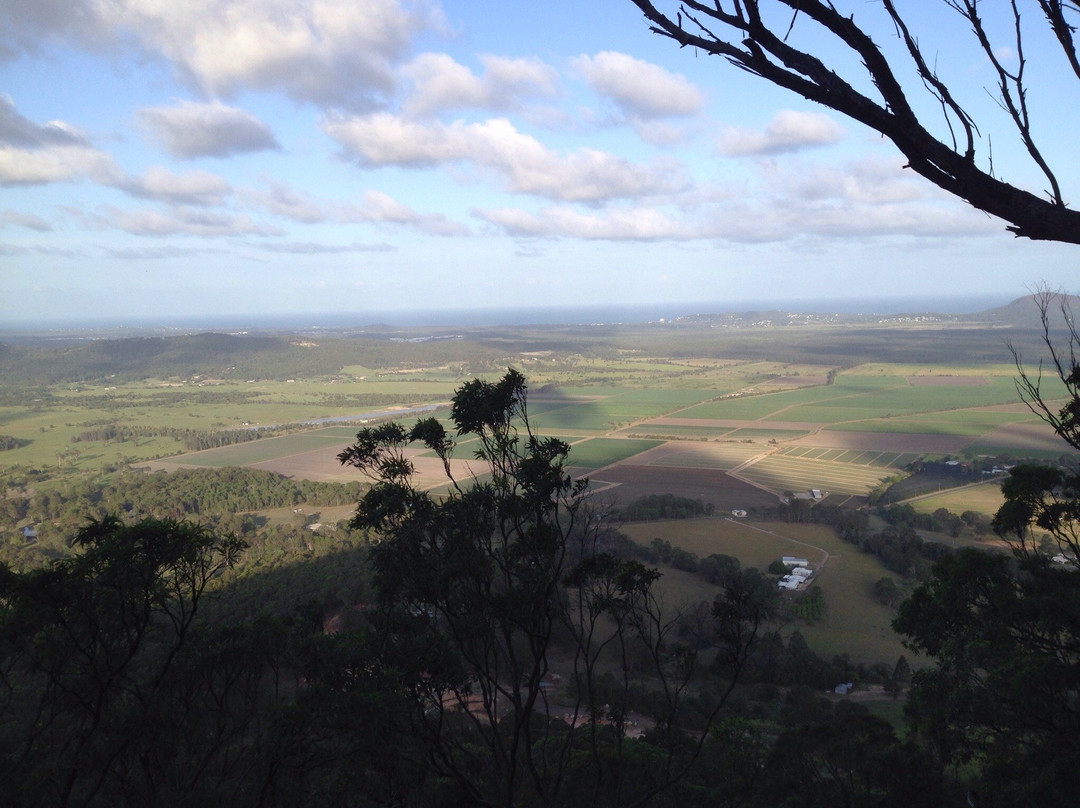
[756, 36]
[90, 647]
[504, 588]
[1005, 633]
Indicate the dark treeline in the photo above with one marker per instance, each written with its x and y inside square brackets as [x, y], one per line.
[940, 521]
[662, 506]
[191, 439]
[898, 546]
[274, 693]
[218, 493]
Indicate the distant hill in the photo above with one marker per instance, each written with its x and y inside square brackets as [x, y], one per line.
[1023, 312]
[143, 357]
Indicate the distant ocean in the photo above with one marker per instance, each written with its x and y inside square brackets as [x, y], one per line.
[565, 315]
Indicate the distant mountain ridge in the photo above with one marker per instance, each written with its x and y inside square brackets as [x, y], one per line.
[1024, 312]
[845, 338]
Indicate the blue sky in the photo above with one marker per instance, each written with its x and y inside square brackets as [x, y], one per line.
[240, 157]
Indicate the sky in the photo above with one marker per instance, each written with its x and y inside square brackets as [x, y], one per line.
[233, 158]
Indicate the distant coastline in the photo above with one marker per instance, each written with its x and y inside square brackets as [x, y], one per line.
[513, 316]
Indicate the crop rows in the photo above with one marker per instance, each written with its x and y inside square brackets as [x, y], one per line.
[782, 473]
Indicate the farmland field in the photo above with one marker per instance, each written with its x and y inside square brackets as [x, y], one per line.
[842, 438]
[984, 498]
[701, 412]
[854, 622]
[802, 474]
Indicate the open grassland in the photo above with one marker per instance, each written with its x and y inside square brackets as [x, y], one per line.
[855, 397]
[615, 408]
[854, 622]
[651, 429]
[984, 498]
[623, 404]
[687, 454]
[599, 452]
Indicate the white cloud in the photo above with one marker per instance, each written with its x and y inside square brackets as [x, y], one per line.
[642, 90]
[524, 164]
[377, 207]
[311, 248]
[19, 131]
[326, 51]
[179, 220]
[750, 219]
[440, 83]
[867, 181]
[56, 164]
[380, 207]
[160, 252]
[628, 224]
[191, 188]
[30, 220]
[191, 129]
[788, 131]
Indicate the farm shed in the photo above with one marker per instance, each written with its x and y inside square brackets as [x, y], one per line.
[792, 561]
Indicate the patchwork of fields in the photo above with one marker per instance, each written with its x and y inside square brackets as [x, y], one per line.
[734, 448]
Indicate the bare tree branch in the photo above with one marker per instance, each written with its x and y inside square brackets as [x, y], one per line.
[739, 33]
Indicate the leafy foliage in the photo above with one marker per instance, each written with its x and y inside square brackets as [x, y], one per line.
[482, 590]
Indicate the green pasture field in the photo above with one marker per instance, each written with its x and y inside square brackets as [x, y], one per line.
[262, 450]
[51, 428]
[901, 369]
[715, 455]
[854, 398]
[784, 473]
[984, 498]
[618, 408]
[962, 423]
[854, 622]
[678, 432]
[599, 452]
[991, 449]
[765, 434]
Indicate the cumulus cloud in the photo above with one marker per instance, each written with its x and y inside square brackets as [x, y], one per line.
[866, 181]
[375, 207]
[628, 224]
[177, 221]
[30, 220]
[190, 130]
[191, 188]
[56, 164]
[19, 131]
[164, 251]
[380, 207]
[788, 131]
[324, 51]
[642, 90]
[440, 83]
[840, 210]
[524, 164]
[36, 154]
